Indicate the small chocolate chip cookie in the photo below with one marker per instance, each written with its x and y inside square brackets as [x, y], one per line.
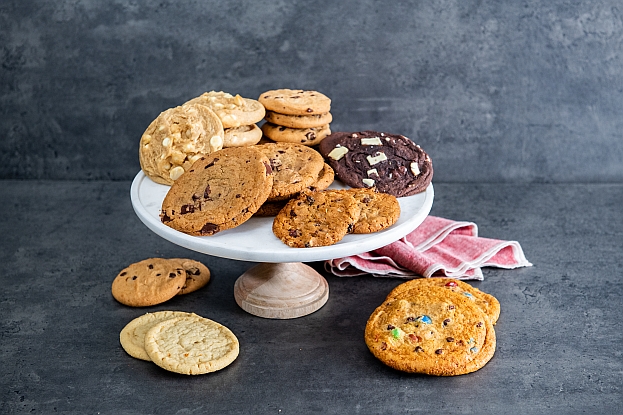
[148, 282]
[306, 136]
[295, 102]
[197, 275]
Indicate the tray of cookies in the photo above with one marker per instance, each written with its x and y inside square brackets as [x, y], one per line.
[212, 181]
[254, 239]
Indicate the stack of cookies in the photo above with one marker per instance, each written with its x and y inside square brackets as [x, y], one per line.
[296, 116]
[239, 116]
[180, 342]
[156, 280]
[180, 136]
[434, 326]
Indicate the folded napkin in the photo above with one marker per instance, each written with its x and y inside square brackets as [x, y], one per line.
[438, 246]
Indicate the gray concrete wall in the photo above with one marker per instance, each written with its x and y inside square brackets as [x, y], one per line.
[519, 90]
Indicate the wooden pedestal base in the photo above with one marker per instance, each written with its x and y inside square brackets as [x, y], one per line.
[281, 290]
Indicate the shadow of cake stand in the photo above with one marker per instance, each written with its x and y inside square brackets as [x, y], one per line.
[280, 286]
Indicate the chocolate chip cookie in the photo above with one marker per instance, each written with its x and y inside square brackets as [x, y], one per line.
[219, 192]
[378, 210]
[295, 167]
[316, 218]
[307, 136]
[295, 102]
[197, 275]
[298, 121]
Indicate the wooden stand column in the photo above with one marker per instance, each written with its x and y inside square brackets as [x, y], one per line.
[281, 290]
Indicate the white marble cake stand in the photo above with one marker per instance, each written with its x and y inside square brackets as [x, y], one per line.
[280, 286]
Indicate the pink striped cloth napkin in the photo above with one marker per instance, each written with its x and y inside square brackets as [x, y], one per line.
[439, 247]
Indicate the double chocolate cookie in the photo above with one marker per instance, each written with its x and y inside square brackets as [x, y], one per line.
[391, 163]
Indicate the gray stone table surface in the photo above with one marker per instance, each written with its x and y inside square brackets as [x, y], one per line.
[559, 337]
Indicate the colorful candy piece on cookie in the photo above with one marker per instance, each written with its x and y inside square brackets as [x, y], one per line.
[433, 331]
[487, 302]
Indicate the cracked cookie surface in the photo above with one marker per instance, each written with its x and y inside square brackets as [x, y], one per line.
[295, 167]
[378, 210]
[132, 336]
[487, 302]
